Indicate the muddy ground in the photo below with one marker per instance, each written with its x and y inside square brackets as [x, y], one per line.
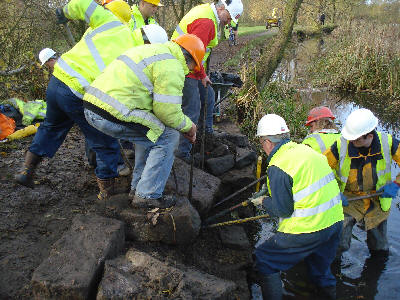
[32, 220]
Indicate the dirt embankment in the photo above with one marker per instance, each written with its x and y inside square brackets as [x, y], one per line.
[32, 220]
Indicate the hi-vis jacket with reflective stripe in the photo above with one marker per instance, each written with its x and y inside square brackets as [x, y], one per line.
[144, 85]
[383, 166]
[316, 194]
[104, 41]
[197, 12]
[30, 110]
[137, 21]
[320, 141]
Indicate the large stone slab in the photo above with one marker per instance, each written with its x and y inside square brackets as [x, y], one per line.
[177, 225]
[75, 264]
[219, 165]
[141, 276]
[245, 158]
[239, 140]
[234, 237]
[205, 185]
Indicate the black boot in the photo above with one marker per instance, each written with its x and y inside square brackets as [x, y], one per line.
[25, 177]
[327, 292]
[271, 287]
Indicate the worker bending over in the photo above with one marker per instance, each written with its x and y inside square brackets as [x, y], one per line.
[138, 98]
[323, 131]
[203, 21]
[305, 196]
[362, 159]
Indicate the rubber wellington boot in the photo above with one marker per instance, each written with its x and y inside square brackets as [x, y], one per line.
[25, 177]
[107, 188]
[271, 287]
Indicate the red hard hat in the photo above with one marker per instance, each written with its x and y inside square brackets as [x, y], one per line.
[319, 113]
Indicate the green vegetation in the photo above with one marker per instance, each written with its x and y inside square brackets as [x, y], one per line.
[243, 30]
[361, 57]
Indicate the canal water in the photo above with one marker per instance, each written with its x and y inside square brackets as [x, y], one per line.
[358, 275]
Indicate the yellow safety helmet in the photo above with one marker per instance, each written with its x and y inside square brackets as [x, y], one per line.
[154, 2]
[119, 8]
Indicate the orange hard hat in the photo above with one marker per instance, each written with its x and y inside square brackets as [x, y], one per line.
[192, 44]
[104, 2]
[319, 113]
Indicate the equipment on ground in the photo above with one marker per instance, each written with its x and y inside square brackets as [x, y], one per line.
[271, 124]
[319, 113]
[155, 34]
[235, 9]
[192, 44]
[45, 54]
[120, 9]
[358, 123]
[19, 134]
[273, 22]
[239, 191]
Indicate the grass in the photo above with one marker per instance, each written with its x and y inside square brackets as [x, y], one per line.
[250, 29]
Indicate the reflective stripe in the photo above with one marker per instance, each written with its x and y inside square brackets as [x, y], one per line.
[42, 114]
[182, 125]
[90, 44]
[167, 99]
[342, 157]
[71, 72]
[121, 108]
[386, 155]
[307, 212]
[76, 93]
[134, 22]
[319, 140]
[28, 114]
[313, 187]
[138, 68]
[65, 10]
[208, 50]
[89, 11]
[179, 30]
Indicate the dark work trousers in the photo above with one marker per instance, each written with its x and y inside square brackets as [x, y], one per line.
[63, 110]
[318, 249]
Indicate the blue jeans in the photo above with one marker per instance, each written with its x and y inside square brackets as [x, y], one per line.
[63, 110]
[318, 249]
[153, 161]
[192, 101]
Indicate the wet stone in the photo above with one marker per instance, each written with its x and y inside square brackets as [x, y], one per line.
[75, 264]
[219, 165]
[239, 140]
[177, 225]
[245, 158]
[141, 276]
[234, 237]
[221, 150]
[205, 185]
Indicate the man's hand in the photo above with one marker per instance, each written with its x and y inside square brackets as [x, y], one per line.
[389, 190]
[206, 80]
[257, 201]
[61, 19]
[191, 134]
[345, 202]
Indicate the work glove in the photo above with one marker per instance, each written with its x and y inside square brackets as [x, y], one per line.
[262, 192]
[257, 201]
[345, 202]
[389, 190]
[61, 19]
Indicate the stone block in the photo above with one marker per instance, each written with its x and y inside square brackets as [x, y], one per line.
[219, 165]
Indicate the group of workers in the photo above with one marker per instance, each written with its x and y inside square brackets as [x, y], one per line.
[125, 80]
[309, 194]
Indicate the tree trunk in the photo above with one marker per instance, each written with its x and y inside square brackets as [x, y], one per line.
[269, 61]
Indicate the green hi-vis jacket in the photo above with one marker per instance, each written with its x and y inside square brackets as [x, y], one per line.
[320, 141]
[383, 166]
[104, 41]
[201, 11]
[31, 110]
[316, 194]
[144, 85]
[137, 21]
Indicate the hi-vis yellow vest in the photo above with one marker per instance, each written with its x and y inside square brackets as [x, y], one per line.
[104, 41]
[198, 12]
[137, 20]
[320, 141]
[383, 166]
[316, 195]
[144, 85]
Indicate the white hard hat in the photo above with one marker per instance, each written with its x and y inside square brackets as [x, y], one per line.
[45, 55]
[235, 8]
[155, 33]
[358, 123]
[271, 124]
